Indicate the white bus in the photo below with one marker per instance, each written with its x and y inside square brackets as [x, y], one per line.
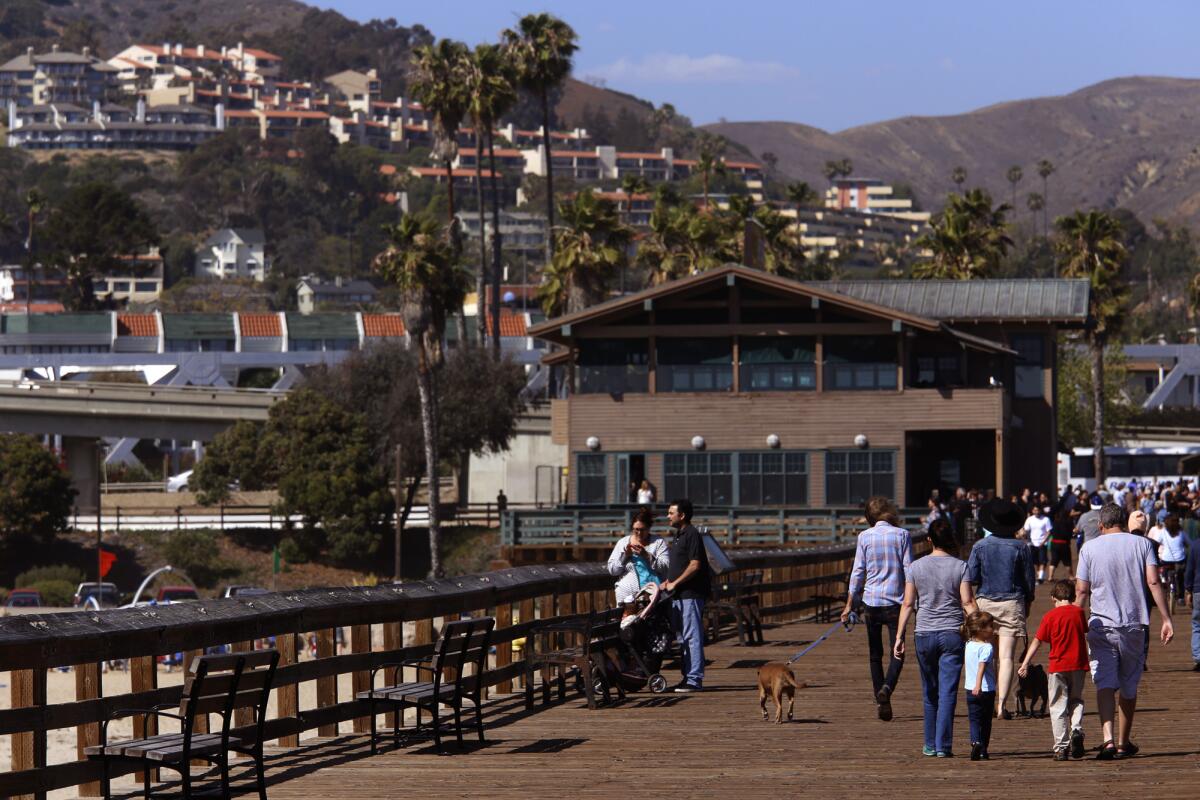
[1147, 461]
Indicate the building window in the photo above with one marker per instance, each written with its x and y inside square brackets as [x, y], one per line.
[145, 286]
[937, 370]
[1029, 363]
[781, 363]
[695, 365]
[704, 478]
[592, 478]
[613, 366]
[769, 479]
[860, 363]
[851, 476]
[120, 286]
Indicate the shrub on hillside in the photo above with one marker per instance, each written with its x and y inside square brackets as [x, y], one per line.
[198, 555]
[50, 572]
[55, 592]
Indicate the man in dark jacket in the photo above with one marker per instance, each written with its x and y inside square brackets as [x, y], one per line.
[688, 578]
[1191, 585]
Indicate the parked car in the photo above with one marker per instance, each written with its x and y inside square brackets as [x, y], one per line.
[179, 483]
[177, 594]
[105, 594]
[243, 591]
[24, 598]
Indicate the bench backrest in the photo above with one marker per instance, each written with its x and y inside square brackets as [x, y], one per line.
[604, 628]
[218, 684]
[463, 643]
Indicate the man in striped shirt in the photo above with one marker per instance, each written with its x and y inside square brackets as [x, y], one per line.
[881, 560]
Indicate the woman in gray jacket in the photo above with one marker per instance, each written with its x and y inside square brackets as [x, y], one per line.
[639, 558]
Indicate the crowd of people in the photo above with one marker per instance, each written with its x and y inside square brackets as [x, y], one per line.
[972, 616]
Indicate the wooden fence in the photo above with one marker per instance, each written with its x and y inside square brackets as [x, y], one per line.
[519, 598]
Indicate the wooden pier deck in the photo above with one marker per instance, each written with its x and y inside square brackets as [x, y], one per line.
[715, 744]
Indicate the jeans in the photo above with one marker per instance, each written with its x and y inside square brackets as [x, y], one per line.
[1196, 627]
[688, 622]
[879, 618]
[980, 711]
[940, 657]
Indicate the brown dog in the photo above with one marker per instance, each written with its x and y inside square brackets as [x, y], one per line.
[777, 679]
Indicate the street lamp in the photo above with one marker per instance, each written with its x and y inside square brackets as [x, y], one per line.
[138, 594]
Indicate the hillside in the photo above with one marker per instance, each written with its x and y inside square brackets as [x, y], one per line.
[1128, 142]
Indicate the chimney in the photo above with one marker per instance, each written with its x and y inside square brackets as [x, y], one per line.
[178, 49]
[200, 50]
[373, 73]
[166, 48]
[29, 52]
[86, 52]
[54, 47]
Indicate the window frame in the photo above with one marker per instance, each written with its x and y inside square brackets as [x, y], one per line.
[846, 498]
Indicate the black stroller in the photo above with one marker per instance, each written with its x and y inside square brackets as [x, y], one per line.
[645, 639]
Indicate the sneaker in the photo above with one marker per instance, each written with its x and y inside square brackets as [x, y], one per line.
[1061, 755]
[985, 756]
[884, 698]
[1196, 667]
[687, 688]
[928, 751]
[945, 754]
[1077, 744]
[976, 751]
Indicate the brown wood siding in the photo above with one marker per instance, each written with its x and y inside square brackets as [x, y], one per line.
[559, 409]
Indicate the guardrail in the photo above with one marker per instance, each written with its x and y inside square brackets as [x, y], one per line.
[519, 599]
[753, 527]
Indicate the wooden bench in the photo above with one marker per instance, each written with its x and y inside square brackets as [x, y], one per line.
[216, 684]
[742, 601]
[462, 643]
[578, 644]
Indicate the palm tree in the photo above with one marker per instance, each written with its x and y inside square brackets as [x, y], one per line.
[1035, 203]
[1014, 176]
[421, 261]
[540, 50]
[782, 253]
[831, 171]
[634, 184]
[708, 160]
[845, 168]
[1045, 170]
[1090, 246]
[967, 239]
[592, 246]
[959, 176]
[439, 82]
[800, 194]
[492, 94]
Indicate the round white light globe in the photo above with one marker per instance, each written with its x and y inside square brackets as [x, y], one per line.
[773, 441]
[860, 441]
[593, 443]
[698, 442]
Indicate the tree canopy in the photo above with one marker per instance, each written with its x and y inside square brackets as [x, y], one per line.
[35, 492]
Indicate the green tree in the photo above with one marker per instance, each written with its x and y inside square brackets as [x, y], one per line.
[801, 195]
[634, 184]
[592, 245]
[1014, 175]
[782, 253]
[967, 239]
[831, 171]
[234, 457]
[1076, 397]
[490, 84]
[440, 81]
[1089, 245]
[1045, 169]
[1035, 203]
[959, 176]
[35, 492]
[422, 264]
[709, 160]
[93, 225]
[540, 49]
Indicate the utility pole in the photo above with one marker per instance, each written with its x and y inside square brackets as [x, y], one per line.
[99, 531]
[399, 516]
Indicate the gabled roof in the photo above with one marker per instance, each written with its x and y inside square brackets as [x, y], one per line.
[551, 328]
[1016, 300]
[260, 325]
[137, 325]
[379, 325]
[511, 323]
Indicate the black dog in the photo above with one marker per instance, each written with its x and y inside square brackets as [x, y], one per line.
[1033, 687]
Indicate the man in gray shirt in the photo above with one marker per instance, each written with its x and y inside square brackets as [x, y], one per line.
[1088, 523]
[1115, 570]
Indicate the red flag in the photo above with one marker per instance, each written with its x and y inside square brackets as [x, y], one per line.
[107, 559]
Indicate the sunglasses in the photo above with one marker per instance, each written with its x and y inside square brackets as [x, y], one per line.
[637, 529]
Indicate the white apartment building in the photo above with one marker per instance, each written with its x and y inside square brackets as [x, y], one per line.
[233, 253]
[871, 196]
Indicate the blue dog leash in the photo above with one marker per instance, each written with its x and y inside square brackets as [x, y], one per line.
[848, 625]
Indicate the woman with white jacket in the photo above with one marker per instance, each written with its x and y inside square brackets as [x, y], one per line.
[638, 559]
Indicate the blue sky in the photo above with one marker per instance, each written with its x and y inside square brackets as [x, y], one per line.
[836, 65]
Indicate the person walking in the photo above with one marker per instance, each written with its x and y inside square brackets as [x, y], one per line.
[1191, 585]
[1065, 630]
[937, 587]
[1115, 570]
[1060, 544]
[881, 559]
[689, 579]
[1001, 568]
[1037, 528]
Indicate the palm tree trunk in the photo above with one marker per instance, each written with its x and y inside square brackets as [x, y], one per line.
[497, 244]
[1098, 410]
[704, 175]
[460, 322]
[449, 193]
[425, 388]
[1046, 216]
[549, 174]
[481, 279]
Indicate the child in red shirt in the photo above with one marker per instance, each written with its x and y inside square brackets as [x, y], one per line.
[1065, 629]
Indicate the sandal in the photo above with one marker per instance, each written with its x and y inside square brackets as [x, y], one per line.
[1127, 750]
[1107, 752]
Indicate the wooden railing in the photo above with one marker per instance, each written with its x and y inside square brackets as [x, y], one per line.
[519, 598]
[748, 527]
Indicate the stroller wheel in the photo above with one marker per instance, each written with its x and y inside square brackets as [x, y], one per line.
[657, 683]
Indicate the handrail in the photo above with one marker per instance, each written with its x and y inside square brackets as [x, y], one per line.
[518, 598]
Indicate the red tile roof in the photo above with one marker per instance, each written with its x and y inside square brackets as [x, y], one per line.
[573, 154]
[137, 325]
[511, 323]
[260, 325]
[296, 114]
[383, 325]
[643, 156]
[34, 308]
[743, 165]
[262, 54]
[387, 169]
[439, 172]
